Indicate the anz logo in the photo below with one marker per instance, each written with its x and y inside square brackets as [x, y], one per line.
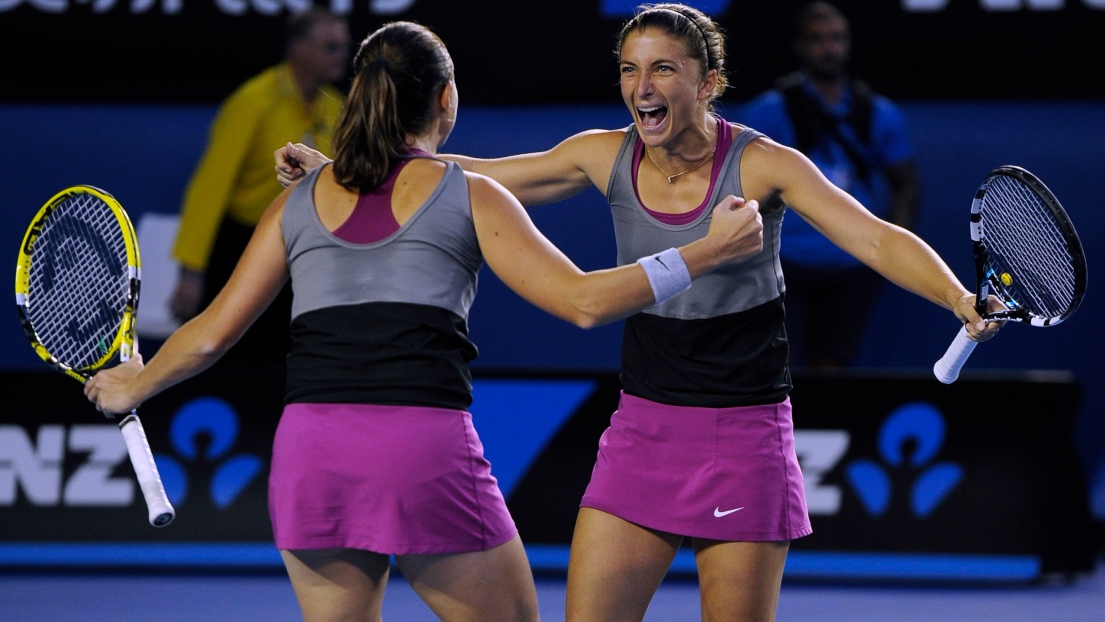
[202, 436]
[907, 463]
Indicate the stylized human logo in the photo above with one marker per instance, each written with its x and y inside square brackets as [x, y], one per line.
[205, 430]
[908, 443]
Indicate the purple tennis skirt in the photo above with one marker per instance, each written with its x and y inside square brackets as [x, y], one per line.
[399, 480]
[727, 474]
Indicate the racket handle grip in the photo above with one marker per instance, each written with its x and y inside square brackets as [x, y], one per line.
[145, 469]
[947, 368]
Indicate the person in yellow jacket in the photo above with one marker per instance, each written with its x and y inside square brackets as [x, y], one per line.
[296, 100]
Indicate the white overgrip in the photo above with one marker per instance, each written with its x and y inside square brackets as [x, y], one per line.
[145, 469]
[947, 368]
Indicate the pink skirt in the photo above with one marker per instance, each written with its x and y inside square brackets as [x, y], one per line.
[727, 474]
[398, 480]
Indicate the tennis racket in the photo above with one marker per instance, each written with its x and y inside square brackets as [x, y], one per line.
[1027, 253]
[76, 285]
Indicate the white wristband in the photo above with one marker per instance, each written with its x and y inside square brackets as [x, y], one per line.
[667, 273]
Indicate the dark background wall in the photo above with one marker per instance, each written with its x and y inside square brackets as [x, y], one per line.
[510, 52]
[119, 95]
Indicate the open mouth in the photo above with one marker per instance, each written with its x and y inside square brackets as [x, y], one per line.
[652, 117]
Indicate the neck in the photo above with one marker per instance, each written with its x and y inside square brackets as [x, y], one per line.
[421, 143]
[675, 164]
[691, 146]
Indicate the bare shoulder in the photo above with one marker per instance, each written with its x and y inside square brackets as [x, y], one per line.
[763, 147]
[595, 142]
[484, 190]
[593, 152]
[768, 167]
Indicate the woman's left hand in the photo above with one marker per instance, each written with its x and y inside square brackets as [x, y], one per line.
[979, 329]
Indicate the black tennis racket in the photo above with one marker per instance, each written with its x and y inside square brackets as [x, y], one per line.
[1027, 253]
[76, 285]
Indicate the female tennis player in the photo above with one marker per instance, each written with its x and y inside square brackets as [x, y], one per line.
[375, 454]
[702, 442]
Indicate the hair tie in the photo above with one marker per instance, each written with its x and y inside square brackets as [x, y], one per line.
[382, 61]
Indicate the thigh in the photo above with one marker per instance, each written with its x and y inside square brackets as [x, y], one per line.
[740, 580]
[615, 567]
[480, 586]
[338, 584]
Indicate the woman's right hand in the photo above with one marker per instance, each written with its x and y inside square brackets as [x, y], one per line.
[737, 229]
[109, 389]
[295, 161]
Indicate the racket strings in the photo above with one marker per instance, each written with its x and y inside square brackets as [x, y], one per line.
[1029, 256]
[79, 281]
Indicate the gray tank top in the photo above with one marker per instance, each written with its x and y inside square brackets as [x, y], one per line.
[721, 343]
[730, 288]
[433, 259]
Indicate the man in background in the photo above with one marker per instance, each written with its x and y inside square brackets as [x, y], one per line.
[860, 141]
[293, 101]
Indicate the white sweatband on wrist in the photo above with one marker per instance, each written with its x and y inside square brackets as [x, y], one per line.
[667, 273]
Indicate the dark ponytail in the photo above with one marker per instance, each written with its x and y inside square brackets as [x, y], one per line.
[401, 70]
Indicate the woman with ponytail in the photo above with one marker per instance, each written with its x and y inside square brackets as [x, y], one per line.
[375, 454]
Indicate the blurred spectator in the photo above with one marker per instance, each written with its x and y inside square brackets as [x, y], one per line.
[297, 101]
[860, 141]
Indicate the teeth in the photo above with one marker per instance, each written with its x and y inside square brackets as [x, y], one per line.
[652, 109]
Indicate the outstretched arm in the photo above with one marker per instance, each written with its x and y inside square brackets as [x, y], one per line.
[891, 250]
[564, 171]
[533, 267]
[577, 163]
[195, 346]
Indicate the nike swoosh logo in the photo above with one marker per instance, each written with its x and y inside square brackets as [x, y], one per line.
[660, 261]
[718, 513]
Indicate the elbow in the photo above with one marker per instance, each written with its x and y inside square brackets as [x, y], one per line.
[587, 321]
[589, 312]
[214, 350]
[210, 346]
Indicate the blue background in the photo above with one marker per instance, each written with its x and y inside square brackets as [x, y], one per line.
[144, 154]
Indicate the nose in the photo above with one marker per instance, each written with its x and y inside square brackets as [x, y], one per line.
[643, 86]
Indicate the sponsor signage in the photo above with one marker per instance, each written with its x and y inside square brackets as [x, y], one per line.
[905, 478]
[511, 52]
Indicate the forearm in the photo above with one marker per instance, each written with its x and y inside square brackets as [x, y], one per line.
[534, 179]
[604, 296]
[607, 295]
[910, 263]
[186, 353]
[736, 232]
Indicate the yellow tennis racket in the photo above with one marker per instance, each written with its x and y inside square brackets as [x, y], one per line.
[76, 286]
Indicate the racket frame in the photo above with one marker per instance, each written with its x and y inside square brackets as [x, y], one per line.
[987, 282]
[123, 341]
[161, 511]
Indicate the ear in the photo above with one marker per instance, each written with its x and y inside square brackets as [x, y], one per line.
[443, 99]
[708, 84]
[447, 102]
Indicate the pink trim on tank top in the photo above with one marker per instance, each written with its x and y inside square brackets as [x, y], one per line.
[724, 141]
[372, 219]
